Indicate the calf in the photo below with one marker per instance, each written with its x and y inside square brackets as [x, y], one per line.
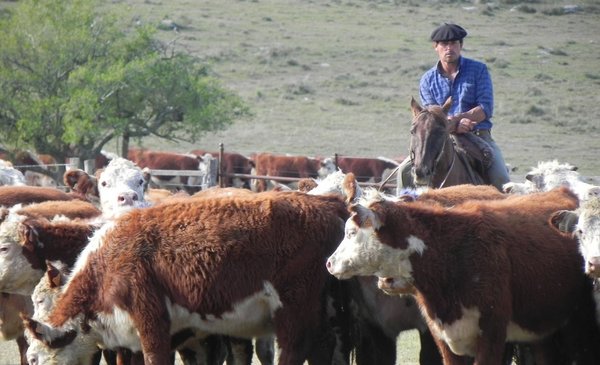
[585, 224]
[244, 266]
[168, 161]
[11, 195]
[474, 269]
[26, 244]
[268, 164]
[381, 318]
[364, 168]
[82, 183]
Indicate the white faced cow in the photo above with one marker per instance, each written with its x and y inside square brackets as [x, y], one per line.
[585, 224]
[244, 266]
[121, 187]
[477, 269]
[552, 174]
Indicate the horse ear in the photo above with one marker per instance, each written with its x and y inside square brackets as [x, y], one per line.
[447, 105]
[416, 108]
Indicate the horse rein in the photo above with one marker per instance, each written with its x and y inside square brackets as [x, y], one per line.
[439, 157]
[451, 163]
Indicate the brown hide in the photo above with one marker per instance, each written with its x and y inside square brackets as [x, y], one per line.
[365, 168]
[499, 257]
[11, 195]
[267, 164]
[54, 241]
[207, 254]
[163, 161]
[52, 208]
[82, 183]
[460, 193]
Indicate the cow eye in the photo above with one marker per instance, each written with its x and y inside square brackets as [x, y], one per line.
[141, 182]
[350, 233]
[103, 183]
[4, 249]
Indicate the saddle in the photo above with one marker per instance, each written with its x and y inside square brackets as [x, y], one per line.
[475, 150]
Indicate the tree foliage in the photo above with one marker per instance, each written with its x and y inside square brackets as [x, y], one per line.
[72, 79]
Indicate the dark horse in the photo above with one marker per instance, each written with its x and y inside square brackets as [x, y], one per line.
[436, 161]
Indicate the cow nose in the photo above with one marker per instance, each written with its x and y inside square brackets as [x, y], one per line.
[594, 266]
[127, 198]
[329, 265]
[594, 192]
[385, 283]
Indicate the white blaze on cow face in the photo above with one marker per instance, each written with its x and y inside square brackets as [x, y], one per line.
[121, 187]
[78, 352]
[17, 276]
[326, 168]
[362, 253]
[588, 233]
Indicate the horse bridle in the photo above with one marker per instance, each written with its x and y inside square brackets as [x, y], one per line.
[439, 157]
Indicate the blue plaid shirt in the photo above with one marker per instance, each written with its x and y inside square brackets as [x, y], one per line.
[472, 86]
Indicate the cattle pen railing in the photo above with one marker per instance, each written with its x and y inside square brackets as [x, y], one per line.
[213, 174]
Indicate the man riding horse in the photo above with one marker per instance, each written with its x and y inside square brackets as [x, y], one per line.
[468, 83]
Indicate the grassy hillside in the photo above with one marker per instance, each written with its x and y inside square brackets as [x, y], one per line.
[337, 76]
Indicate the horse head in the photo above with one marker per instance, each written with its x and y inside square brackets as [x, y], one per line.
[429, 141]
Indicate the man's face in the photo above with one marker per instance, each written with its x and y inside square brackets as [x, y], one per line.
[448, 51]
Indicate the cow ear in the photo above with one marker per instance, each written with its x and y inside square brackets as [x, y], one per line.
[365, 217]
[54, 275]
[350, 187]
[565, 221]
[28, 236]
[3, 213]
[71, 177]
[415, 107]
[52, 338]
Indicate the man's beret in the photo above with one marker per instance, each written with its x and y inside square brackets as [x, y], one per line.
[448, 32]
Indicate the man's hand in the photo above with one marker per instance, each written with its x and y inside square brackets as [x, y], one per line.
[463, 125]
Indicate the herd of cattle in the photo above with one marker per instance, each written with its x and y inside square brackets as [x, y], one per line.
[327, 272]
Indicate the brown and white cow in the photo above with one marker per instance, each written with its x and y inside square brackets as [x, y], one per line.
[476, 269]
[585, 224]
[243, 266]
[12, 195]
[159, 160]
[286, 166]
[381, 318]
[364, 168]
[121, 187]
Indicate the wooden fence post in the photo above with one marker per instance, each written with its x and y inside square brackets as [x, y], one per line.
[72, 163]
[89, 166]
[210, 178]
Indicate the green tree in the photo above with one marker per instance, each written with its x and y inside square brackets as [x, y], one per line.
[72, 79]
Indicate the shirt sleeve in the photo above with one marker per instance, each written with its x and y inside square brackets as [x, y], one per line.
[424, 91]
[485, 92]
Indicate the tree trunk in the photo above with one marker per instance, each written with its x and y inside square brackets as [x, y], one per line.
[124, 144]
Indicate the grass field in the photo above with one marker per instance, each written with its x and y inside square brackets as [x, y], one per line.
[337, 76]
